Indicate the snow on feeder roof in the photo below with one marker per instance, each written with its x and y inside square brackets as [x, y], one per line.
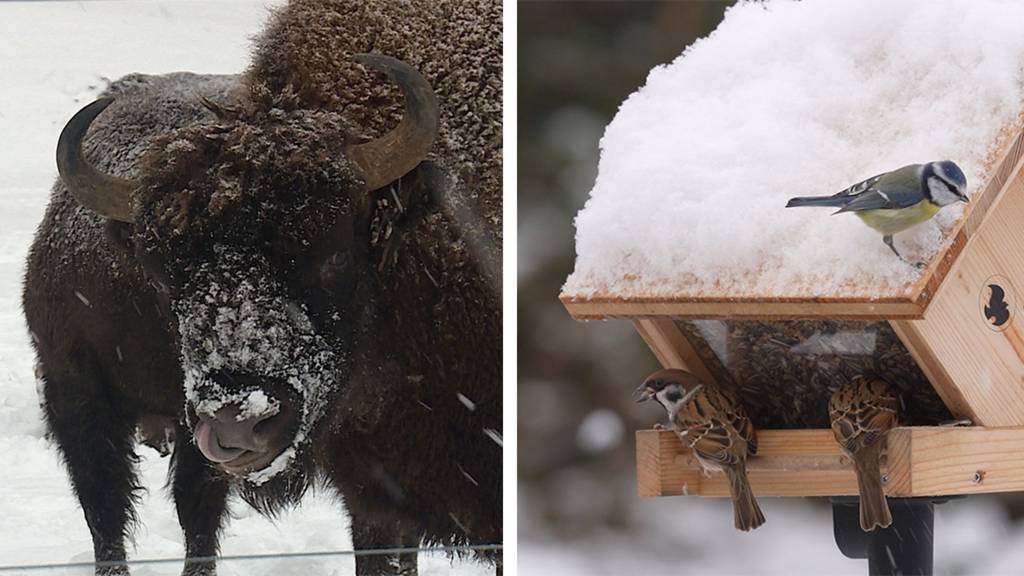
[687, 216]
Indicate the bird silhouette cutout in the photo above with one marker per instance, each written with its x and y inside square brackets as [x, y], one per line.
[997, 311]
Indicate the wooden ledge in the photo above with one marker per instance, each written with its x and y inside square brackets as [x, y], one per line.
[920, 461]
[759, 308]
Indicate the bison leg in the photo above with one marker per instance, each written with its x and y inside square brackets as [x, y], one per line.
[97, 443]
[410, 538]
[200, 495]
[367, 536]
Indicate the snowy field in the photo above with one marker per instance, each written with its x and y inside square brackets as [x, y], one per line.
[694, 536]
[54, 58]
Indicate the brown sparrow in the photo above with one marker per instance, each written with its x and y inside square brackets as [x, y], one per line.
[862, 413]
[715, 427]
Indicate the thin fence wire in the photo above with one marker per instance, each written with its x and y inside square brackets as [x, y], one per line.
[278, 556]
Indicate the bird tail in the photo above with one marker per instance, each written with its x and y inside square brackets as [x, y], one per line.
[746, 513]
[834, 201]
[874, 510]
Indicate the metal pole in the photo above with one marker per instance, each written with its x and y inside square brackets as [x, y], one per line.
[904, 548]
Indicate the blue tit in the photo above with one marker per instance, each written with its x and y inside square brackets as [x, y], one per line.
[895, 201]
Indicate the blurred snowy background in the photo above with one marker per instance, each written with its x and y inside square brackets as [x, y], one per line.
[578, 509]
[55, 57]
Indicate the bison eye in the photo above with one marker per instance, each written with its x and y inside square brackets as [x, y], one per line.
[336, 273]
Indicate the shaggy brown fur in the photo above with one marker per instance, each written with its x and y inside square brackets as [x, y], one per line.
[455, 44]
[411, 310]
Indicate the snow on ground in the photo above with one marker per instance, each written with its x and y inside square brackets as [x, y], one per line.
[694, 536]
[794, 99]
[54, 58]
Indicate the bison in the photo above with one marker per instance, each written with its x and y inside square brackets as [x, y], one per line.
[295, 273]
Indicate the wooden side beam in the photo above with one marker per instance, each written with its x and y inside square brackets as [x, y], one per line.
[671, 347]
[920, 461]
[976, 367]
[706, 308]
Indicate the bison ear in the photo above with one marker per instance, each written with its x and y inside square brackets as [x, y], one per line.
[398, 209]
[403, 202]
[421, 188]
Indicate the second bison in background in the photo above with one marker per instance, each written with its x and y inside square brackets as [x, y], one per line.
[239, 256]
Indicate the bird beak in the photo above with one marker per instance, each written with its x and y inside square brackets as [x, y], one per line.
[643, 394]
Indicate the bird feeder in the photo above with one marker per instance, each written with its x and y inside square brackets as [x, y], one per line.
[958, 327]
[687, 236]
[960, 322]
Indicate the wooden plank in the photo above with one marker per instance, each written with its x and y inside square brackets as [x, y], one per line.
[606, 308]
[671, 348]
[978, 368]
[920, 461]
[655, 474]
[648, 466]
[966, 460]
[789, 463]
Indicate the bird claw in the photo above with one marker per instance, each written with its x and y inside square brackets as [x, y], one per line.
[659, 426]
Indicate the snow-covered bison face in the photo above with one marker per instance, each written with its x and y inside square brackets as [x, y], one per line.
[260, 366]
[254, 232]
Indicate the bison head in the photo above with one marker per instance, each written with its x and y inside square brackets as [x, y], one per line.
[253, 229]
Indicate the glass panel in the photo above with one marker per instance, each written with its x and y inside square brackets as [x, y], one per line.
[785, 371]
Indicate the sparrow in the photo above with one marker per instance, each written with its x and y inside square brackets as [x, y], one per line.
[862, 413]
[715, 426]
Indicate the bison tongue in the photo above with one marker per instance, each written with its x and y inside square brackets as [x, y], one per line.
[207, 443]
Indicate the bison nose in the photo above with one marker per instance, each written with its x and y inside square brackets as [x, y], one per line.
[227, 435]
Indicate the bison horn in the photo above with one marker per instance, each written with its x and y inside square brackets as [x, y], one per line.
[393, 155]
[102, 193]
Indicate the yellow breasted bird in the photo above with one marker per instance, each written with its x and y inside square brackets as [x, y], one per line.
[895, 201]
